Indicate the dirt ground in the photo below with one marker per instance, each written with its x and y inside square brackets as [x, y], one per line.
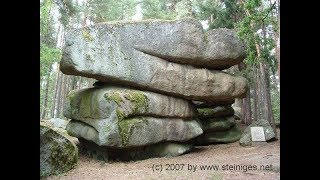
[187, 166]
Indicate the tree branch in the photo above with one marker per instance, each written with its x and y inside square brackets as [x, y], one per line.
[271, 8]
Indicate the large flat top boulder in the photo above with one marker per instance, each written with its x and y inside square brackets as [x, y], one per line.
[148, 55]
[183, 41]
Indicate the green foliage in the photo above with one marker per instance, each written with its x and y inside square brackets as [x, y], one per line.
[111, 10]
[157, 9]
[48, 56]
[254, 20]
[184, 9]
[221, 14]
[67, 9]
[46, 23]
[50, 80]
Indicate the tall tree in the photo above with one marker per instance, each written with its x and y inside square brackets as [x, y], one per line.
[258, 53]
[110, 10]
[159, 9]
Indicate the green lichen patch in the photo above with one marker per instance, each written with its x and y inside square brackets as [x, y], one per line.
[114, 96]
[206, 38]
[85, 104]
[139, 101]
[127, 126]
[71, 96]
[86, 35]
[120, 114]
[74, 102]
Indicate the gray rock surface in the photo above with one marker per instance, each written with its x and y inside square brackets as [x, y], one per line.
[58, 153]
[218, 124]
[219, 111]
[138, 55]
[134, 132]
[229, 136]
[268, 132]
[164, 149]
[200, 104]
[121, 117]
[106, 101]
[57, 122]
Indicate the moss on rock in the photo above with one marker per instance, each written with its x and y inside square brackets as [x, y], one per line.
[139, 101]
[229, 136]
[218, 124]
[116, 97]
[127, 126]
[219, 111]
[85, 104]
[120, 114]
[57, 153]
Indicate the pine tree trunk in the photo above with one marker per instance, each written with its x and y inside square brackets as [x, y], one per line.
[56, 86]
[268, 100]
[246, 105]
[255, 97]
[62, 96]
[247, 109]
[243, 111]
[275, 82]
[258, 94]
[278, 43]
[45, 100]
[265, 71]
[57, 111]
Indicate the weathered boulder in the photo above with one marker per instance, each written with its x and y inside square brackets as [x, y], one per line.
[59, 123]
[183, 41]
[163, 149]
[107, 101]
[268, 132]
[134, 132]
[218, 124]
[211, 104]
[58, 153]
[229, 136]
[219, 111]
[138, 55]
[121, 117]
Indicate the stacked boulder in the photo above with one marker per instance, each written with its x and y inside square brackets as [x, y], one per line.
[218, 123]
[126, 120]
[148, 73]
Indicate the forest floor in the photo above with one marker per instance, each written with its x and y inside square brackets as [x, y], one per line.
[267, 155]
